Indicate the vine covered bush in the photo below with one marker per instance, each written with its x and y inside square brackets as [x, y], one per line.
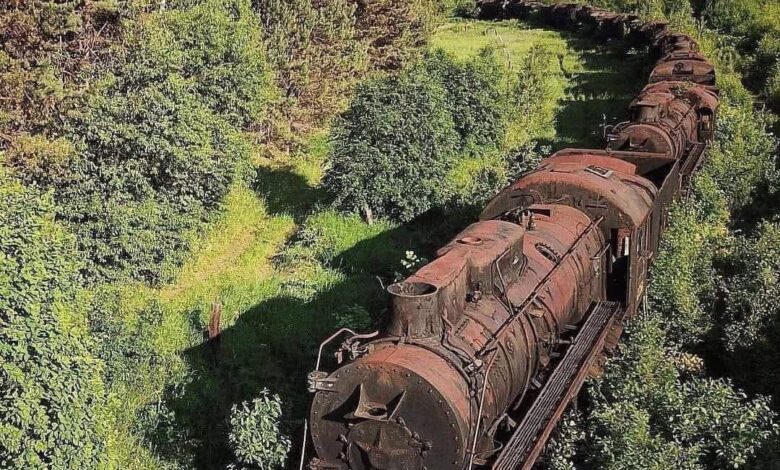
[52, 400]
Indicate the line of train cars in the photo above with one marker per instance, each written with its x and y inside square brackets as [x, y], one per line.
[472, 337]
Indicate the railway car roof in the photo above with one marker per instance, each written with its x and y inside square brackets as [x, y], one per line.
[611, 180]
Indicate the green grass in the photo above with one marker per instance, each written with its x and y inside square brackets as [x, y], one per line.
[465, 38]
[593, 83]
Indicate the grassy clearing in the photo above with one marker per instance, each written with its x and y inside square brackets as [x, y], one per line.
[593, 84]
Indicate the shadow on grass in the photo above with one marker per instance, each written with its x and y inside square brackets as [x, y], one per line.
[273, 345]
[287, 192]
[599, 94]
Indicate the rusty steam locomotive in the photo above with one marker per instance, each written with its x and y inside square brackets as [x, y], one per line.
[487, 345]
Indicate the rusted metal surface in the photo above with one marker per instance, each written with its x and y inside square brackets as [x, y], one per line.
[667, 118]
[493, 304]
[471, 337]
[598, 185]
[686, 70]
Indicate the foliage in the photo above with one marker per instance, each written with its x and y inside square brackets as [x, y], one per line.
[397, 123]
[53, 398]
[741, 158]
[740, 18]
[773, 87]
[154, 147]
[255, 435]
[650, 411]
[474, 97]
[749, 316]
[752, 298]
[529, 98]
[45, 60]
[316, 52]
[216, 46]
[393, 147]
[648, 8]
[151, 161]
[395, 30]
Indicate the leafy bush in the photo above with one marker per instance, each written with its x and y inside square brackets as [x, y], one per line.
[752, 288]
[741, 18]
[395, 30]
[650, 411]
[649, 8]
[530, 106]
[750, 311]
[255, 436]
[216, 46]
[154, 147]
[152, 160]
[42, 62]
[474, 97]
[53, 398]
[316, 52]
[393, 147]
[773, 87]
[741, 158]
[408, 142]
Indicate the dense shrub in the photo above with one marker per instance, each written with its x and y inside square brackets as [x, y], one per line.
[653, 409]
[773, 87]
[52, 400]
[155, 146]
[151, 161]
[255, 436]
[216, 46]
[741, 18]
[43, 61]
[316, 53]
[741, 158]
[530, 104]
[751, 288]
[649, 8]
[398, 124]
[393, 147]
[395, 30]
[474, 97]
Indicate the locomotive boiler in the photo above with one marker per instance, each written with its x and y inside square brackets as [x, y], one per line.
[468, 334]
[485, 347]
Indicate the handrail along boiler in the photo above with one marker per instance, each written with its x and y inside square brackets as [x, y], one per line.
[487, 345]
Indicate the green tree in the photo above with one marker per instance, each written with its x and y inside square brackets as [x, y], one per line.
[393, 147]
[52, 398]
[316, 52]
[474, 97]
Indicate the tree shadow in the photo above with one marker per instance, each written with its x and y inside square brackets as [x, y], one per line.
[287, 192]
[598, 95]
[273, 345]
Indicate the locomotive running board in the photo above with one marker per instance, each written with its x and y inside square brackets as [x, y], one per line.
[529, 439]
